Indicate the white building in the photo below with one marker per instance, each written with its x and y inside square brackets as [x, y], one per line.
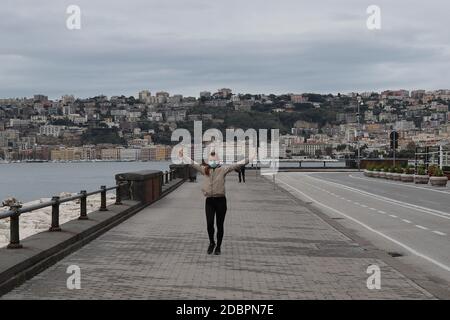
[129, 154]
[38, 119]
[77, 119]
[18, 123]
[51, 130]
[404, 125]
[119, 113]
[155, 116]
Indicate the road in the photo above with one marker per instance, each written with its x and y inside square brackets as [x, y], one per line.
[396, 217]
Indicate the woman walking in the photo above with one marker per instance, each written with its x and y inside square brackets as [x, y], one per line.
[214, 190]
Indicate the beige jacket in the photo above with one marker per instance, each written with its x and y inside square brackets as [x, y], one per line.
[214, 184]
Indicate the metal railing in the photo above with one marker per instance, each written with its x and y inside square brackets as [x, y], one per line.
[16, 209]
[432, 155]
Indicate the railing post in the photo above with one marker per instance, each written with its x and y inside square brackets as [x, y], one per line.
[118, 198]
[167, 177]
[14, 239]
[103, 199]
[55, 215]
[83, 206]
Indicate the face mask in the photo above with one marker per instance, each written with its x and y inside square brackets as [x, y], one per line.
[213, 164]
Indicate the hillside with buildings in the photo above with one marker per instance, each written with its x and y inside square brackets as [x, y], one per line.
[120, 128]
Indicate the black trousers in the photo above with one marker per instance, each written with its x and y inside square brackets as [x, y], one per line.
[215, 207]
[242, 175]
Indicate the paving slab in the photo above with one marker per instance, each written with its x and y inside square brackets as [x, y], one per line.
[274, 248]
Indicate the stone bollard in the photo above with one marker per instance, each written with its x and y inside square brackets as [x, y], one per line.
[103, 199]
[55, 215]
[14, 241]
[83, 206]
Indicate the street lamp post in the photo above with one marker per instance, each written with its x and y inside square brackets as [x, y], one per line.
[357, 137]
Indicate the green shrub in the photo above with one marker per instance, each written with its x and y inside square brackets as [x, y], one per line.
[432, 169]
[421, 171]
[437, 172]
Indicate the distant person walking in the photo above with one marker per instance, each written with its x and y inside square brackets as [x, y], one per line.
[241, 173]
[214, 190]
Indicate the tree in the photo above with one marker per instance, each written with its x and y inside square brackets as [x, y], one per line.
[318, 153]
[409, 152]
[341, 147]
[102, 135]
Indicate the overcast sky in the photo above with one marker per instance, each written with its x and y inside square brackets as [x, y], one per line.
[255, 46]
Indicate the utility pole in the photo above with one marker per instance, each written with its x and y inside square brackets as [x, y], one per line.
[394, 157]
[393, 136]
[357, 136]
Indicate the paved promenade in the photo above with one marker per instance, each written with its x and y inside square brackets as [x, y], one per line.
[274, 248]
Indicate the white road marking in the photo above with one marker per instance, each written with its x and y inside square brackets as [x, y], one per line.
[406, 247]
[381, 211]
[440, 233]
[437, 213]
[421, 227]
[393, 216]
[373, 209]
[363, 205]
[407, 221]
[399, 184]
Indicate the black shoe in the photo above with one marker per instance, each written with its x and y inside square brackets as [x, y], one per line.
[217, 251]
[211, 248]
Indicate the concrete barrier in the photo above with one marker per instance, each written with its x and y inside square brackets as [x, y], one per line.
[42, 250]
[181, 170]
[143, 186]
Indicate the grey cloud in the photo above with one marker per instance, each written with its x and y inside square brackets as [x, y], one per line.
[251, 46]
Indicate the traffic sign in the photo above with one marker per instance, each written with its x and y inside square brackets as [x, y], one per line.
[394, 139]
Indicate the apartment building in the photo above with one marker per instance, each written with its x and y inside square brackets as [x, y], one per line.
[112, 154]
[65, 154]
[129, 154]
[51, 130]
